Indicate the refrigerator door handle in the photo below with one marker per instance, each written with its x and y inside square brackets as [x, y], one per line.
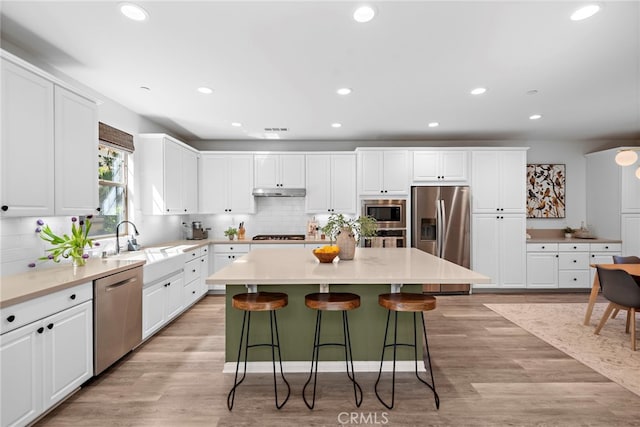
[443, 226]
[439, 228]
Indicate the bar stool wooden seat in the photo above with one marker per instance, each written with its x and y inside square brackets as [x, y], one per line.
[332, 301]
[406, 302]
[259, 301]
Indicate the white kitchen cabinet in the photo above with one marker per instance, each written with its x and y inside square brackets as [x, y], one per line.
[440, 166]
[76, 154]
[499, 250]
[629, 190]
[602, 253]
[161, 302]
[226, 183]
[498, 181]
[45, 360]
[331, 183]
[196, 270]
[383, 172]
[27, 139]
[279, 171]
[630, 234]
[542, 266]
[168, 181]
[573, 265]
[224, 255]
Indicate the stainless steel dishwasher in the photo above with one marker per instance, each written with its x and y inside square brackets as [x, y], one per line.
[117, 318]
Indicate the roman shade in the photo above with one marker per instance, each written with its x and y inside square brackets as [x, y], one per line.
[115, 137]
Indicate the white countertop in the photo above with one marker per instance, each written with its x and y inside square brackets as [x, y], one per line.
[369, 266]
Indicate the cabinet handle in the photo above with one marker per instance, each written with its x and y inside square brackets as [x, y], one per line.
[73, 296]
[193, 271]
[40, 330]
[11, 318]
[50, 326]
[593, 256]
[557, 256]
[185, 210]
[193, 292]
[575, 247]
[543, 247]
[98, 209]
[575, 261]
[575, 279]
[202, 260]
[497, 209]
[167, 210]
[5, 208]
[606, 247]
[229, 256]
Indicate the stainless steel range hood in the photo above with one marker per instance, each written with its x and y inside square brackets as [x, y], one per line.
[279, 192]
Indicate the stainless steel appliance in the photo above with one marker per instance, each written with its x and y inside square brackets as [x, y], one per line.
[117, 317]
[279, 237]
[198, 232]
[390, 214]
[440, 226]
[395, 238]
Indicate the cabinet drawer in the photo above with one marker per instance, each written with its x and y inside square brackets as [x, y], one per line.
[193, 254]
[574, 279]
[190, 293]
[542, 247]
[606, 247]
[192, 271]
[573, 261]
[26, 312]
[573, 247]
[243, 249]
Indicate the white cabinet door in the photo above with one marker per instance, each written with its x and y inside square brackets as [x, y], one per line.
[630, 234]
[384, 172]
[396, 172]
[68, 352]
[370, 165]
[173, 177]
[513, 251]
[21, 374]
[486, 248]
[499, 181]
[426, 166]
[542, 270]
[454, 166]
[266, 171]
[513, 180]
[153, 302]
[440, 166]
[292, 173]
[76, 154]
[343, 183]
[174, 299]
[279, 170]
[319, 184]
[241, 184]
[189, 181]
[630, 190]
[214, 183]
[27, 139]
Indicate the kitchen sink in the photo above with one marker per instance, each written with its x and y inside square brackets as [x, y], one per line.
[160, 261]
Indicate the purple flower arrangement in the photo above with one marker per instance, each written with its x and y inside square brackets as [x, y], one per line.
[67, 246]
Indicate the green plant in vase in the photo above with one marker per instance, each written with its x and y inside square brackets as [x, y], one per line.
[231, 232]
[67, 246]
[347, 232]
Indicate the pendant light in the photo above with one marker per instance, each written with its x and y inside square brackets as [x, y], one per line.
[626, 157]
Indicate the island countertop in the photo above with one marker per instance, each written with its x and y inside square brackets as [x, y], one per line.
[369, 266]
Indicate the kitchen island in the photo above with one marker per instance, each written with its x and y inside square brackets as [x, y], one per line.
[297, 272]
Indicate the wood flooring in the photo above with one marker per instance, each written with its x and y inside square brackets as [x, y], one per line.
[488, 372]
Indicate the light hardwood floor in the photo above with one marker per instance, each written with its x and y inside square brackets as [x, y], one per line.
[488, 372]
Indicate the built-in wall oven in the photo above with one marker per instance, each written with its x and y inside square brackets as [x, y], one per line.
[390, 214]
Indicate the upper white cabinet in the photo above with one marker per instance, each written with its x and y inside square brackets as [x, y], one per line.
[76, 154]
[629, 190]
[499, 181]
[226, 183]
[48, 150]
[169, 178]
[440, 166]
[279, 171]
[383, 172]
[331, 183]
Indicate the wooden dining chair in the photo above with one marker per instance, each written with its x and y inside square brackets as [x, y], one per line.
[623, 293]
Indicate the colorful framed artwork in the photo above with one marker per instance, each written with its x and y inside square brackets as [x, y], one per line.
[546, 185]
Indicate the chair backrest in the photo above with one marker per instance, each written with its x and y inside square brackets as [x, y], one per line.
[619, 287]
[626, 259]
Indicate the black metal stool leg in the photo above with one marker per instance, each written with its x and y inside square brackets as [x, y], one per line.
[274, 323]
[433, 383]
[232, 394]
[314, 363]
[348, 359]
[384, 348]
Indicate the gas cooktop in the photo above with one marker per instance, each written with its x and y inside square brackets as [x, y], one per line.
[279, 237]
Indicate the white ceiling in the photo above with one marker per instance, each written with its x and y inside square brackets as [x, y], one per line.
[278, 64]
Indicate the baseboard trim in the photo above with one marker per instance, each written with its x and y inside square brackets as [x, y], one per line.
[327, 366]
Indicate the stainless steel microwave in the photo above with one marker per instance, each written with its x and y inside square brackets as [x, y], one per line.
[388, 213]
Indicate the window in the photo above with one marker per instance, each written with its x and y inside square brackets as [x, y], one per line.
[112, 188]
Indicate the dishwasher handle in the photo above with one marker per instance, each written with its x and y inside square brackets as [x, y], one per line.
[122, 283]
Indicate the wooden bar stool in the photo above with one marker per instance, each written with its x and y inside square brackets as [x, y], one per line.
[412, 303]
[332, 301]
[259, 301]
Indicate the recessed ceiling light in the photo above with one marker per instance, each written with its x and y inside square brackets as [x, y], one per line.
[336, 125]
[535, 116]
[134, 12]
[364, 14]
[433, 124]
[205, 90]
[478, 91]
[145, 88]
[344, 91]
[626, 157]
[236, 124]
[585, 12]
[532, 92]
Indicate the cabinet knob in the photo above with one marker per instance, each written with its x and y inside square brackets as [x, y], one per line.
[575, 261]
[202, 260]
[575, 247]
[73, 296]
[50, 326]
[593, 256]
[11, 318]
[193, 271]
[98, 209]
[5, 208]
[575, 279]
[557, 256]
[229, 256]
[167, 210]
[185, 210]
[543, 247]
[40, 330]
[606, 247]
[193, 292]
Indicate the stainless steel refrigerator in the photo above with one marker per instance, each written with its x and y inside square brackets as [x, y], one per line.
[440, 226]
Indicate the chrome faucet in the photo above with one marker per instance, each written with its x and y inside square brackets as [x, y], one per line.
[118, 234]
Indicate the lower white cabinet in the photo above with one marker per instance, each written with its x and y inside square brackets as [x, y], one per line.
[161, 302]
[499, 249]
[44, 361]
[196, 270]
[630, 233]
[224, 255]
[542, 265]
